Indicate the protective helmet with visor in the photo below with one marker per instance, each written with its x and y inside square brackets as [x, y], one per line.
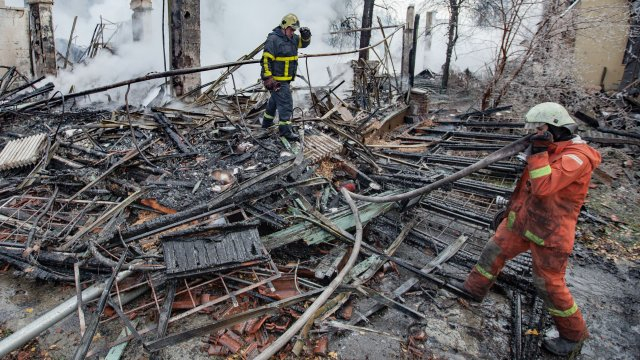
[549, 113]
[290, 20]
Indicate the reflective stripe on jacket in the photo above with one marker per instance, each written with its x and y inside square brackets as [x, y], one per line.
[280, 55]
[545, 205]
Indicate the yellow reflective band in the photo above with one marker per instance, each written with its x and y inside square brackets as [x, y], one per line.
[563, 313]
[286, 68]
[286, 58]
[265, 63]
[484, 272]
[299, 41]
[533, 237]
[284, 123]
[268, 55]
[267, 116]
[282, 78]
[511, 219]
[543, 171]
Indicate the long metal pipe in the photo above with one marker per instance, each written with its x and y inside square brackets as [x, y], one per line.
[507, 151]
[47, 320]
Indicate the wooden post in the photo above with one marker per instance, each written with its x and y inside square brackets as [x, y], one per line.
[407, 45]
[184, 39]
[43, 48]
[66, 56]
[365, 36]
[427, 28]
[414, 47]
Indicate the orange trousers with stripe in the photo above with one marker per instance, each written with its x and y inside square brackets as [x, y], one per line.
[549, 265]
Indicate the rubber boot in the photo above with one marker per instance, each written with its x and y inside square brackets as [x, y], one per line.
[559, 346]
[459, 288]
[286, 131]
[266, 123]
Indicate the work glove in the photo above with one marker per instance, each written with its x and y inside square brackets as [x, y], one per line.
[305, 33]
[271, 84]
[540, 142]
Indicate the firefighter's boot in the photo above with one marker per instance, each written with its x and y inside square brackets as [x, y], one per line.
[561, 347]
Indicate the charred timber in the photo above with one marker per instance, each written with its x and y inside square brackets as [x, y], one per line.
[484, 113]
[469, 134]
[458, 161]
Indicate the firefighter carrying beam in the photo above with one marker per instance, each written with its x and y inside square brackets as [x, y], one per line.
[541, 217]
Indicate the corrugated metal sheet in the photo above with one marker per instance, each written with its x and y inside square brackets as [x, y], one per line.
[22, 152]
[318, 147]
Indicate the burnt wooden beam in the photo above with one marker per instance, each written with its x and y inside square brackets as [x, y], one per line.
[365, 35]
[43, 48]
[593, 122]
[169, 129]
[407, 285]
[484, 112]
[184, 40]
[163, 321]
[21, 87]
[83, 348]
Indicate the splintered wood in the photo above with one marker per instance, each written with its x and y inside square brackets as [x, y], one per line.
[322, 146]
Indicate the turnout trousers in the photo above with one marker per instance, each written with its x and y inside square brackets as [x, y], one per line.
[549, 265]
[282, 102]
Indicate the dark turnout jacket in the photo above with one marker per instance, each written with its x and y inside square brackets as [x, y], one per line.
[280, 55]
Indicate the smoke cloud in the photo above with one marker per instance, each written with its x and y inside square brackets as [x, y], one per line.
[229, 30]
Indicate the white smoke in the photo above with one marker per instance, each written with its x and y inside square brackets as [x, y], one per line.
[229, 30]
[476, 48]
[233, 29]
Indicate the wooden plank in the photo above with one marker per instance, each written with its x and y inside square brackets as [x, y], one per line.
[313, 235]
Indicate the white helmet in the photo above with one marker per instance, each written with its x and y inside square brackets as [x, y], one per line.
[549, 113]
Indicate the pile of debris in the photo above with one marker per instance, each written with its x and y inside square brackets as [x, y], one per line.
[165, 217]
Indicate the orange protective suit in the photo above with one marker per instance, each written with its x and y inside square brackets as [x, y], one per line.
[542, 217]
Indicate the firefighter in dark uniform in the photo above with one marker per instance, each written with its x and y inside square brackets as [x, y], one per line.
[279, 64]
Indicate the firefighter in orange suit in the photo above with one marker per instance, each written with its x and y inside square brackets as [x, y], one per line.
[541, 217]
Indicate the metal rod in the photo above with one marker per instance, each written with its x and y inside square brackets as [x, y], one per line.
[507, 151]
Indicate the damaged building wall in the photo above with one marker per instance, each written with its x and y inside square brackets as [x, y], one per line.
[14, 43]
[43, 48]
[601, 45]
[185, 43]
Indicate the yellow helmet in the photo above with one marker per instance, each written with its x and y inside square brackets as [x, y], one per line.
[290, 20]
